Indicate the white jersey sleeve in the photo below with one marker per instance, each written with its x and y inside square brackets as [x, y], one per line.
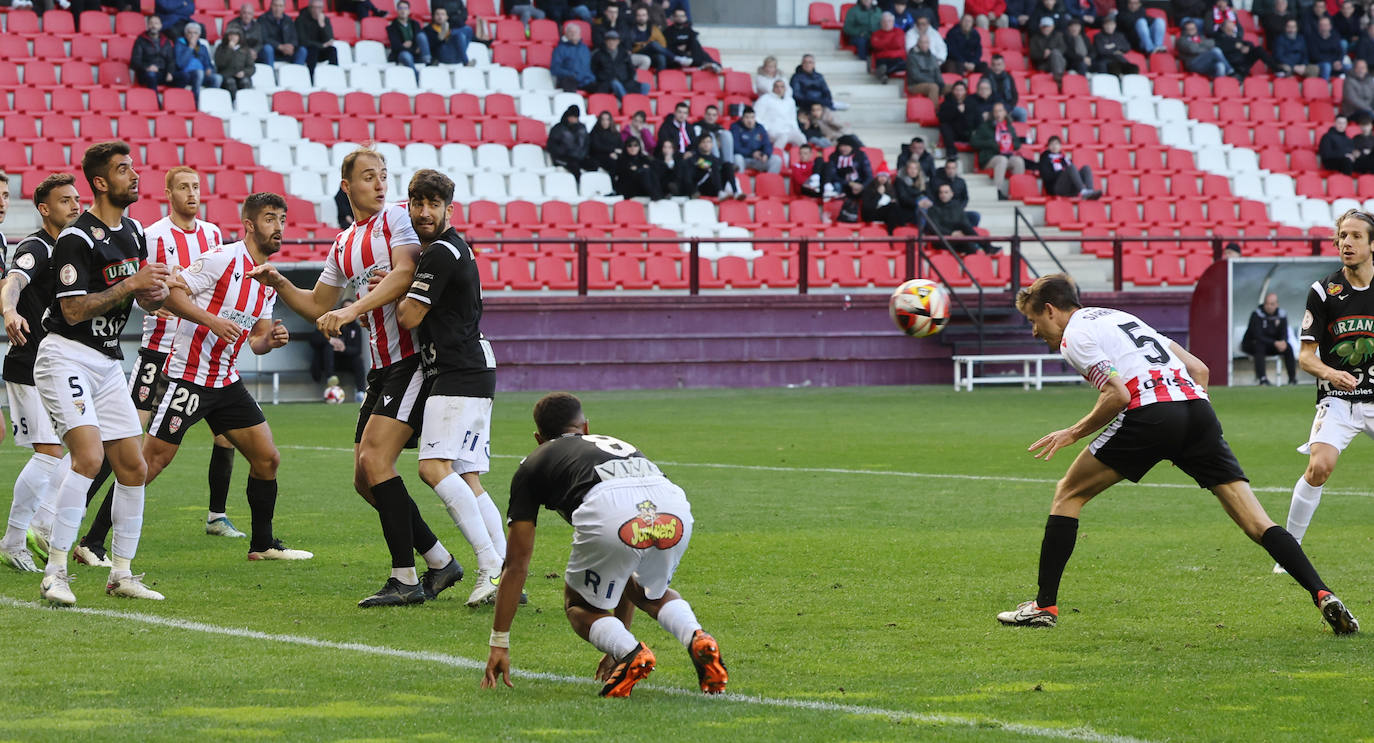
[1102, 343]
[402, 231]
[333, 275]
[204, 273]
[1085, 354]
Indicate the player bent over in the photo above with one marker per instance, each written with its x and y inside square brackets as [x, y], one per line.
[445, 303]
[631, 526]
[1153, 393]
[222, 307]
[27, 292]
[1337, 348]
[77, 370]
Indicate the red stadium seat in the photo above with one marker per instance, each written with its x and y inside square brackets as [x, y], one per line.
[554, 273]
[178, 100]
[231, 183]
[374, 29]
[464, 104]
[920, 110]
[391, 130]
[627, 213]
[21, 22]
[556, 214]
[497, 131]
[96, 128]
[820, 13]
[665, 272]
[426, 130]
[290, 103]
[133, 127]
[530, 131]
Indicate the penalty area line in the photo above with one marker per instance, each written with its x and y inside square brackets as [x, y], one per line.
[893, 473]
[1080, 733]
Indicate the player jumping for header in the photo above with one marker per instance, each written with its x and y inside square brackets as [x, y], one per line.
[1153, 393]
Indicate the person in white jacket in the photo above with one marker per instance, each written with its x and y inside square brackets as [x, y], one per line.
[777, 112]
[767, 75]
[937, 42]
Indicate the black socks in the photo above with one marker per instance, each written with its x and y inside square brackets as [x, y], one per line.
[1061, 532]
[1288, 554]
[394, 506]
[262, 502]
[221, 471]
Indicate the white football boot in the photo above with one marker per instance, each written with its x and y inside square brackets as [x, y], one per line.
[131, 587]
[56, 589]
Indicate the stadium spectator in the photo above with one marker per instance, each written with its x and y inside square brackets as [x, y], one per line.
[809, 86]
[407, 41]
[1221, 13]
[1290, 50]
[676, 129]
[525, 11]
[777, 114]
[950, 175]
[1358, 95]
[887, 45]
[848, 163]
[234, 62]
[668, 168]
[964, 45]
[946, 217]
[1047, 49]
[825, 120]
[923, 29]
[807, 174]
[1335, 149]
[766, 74]
[812, 131]
[154, 56]
[1348, 23]
[1195, 10]
[1051, 9]
[910, 190]
[1004, 87]
[571, 64]
[175, 14]
[880, 201]
[1324, 50]
[998, 146]
[1147, 33]
[614, 71]
[982, 99]
[457, 14]
[344, 350]
[648, 48]
[569, 144]
[1274, 21]
[1200, 54]
[638, 128]
[1061, 176]
[1307, 21]
[851, 203]
[923, 75]
[860, 21]
[250, 30]
[1241, 54]
[609, 20]
[987, 13]
[957, 117]
[1081, 10]
[279, 36]
[916, 150]
[1364, 144]
[704, 173]
[193, 63]
[604, 145]
[753, 146]
[316, 35]
[633, 176]
[447, 45]
[930, 9]
[1078, 51]
[1267, 335]
[1364, 48]
[709, 125]
[684, 48]
[901, 15]
[1230, 252]
[1018, 14]
[1109, 51]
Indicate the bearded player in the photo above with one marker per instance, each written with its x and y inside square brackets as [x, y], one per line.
[631, 526]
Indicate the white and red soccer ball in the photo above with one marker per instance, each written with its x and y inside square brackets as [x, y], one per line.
[919, 307]
[333, 394]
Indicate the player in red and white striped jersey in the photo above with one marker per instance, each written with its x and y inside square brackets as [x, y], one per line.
[1153, 394]
[380, 246]
[223, 308]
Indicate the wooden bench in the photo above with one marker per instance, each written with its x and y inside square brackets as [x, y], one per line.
[967, 367]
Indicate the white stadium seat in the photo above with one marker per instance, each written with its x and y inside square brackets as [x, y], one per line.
[479, 54]
[1286, 213]
[536, 78]
[305, 184]
[283, 128]
[595, 184]
[1106, 86]
[264, 79]
[338, 151]
[1341, 206]
[1212, 160]
[1279, 186]
[436, 80]
[277, 153]
[707, 249]
[1136, 86]
[536, 106]
[252, 101]
[561, 102]
[400, 79]
[494, 158]
[742, 249]
[370, 53]
[560, 185]
[331, 79]
[700, 212]
[420, 155]
[1142, 110]
[470, 80]
[456, 158]
[1316, 213]
[311, 156]
[344, 52]
[246, 129]
[369, 79]
[391, 153]
[527, 186]
[216, 101]
[1171, 109]
[294, 77]
[490, 186]
[665, 213]
[529, 158]
[462, 192]
[1369, 205]
[1175, 135]
[1242, 161]
[503, 80]
[1206, 135]
[1248, 188]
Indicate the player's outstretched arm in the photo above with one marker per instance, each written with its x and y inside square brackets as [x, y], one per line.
[1196, 368]
[1111, 400]
[179, 303]
[519, 547]
[268, 334]
[411, 312]
[1310, 360]
[15, 325]
[308, 304]
[146, 284]
[388, 290]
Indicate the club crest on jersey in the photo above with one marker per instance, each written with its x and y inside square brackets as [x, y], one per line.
[116, 272]
[67, 275]
[80, 406]
[1333, 288]
[98, 233]
[651, 528]
[377, 229]
[175, 424]
[25, 261]
[143, 393]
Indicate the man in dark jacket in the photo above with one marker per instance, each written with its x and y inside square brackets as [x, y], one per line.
[1051, 9]
[1267, 335]
[964, 45]
[1325, 51]
[958, 118]
[684, 49]
[614, 71]
[677, 129]
[1109, 51]
[279, 36]
[1047, 49]
[1335, 149]
[917, 150]
[250, 30]
[175, 14]
[1364, 48]
[569, 143]
[709, 125]
[1004, 88]
[1146, 33]
[153, 60]
[947, 218]
[611, 19]
[809, 86]
[447, 45]
[1241, 54]
[849, 163]
[1061, 176]
[315, 33]
[950, 175]
[753, 147]
[707, 174]
[571, 64]
[406, 41]
[634, 173]
[1274, 21]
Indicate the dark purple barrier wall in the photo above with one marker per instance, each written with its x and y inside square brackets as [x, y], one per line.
[748, 340]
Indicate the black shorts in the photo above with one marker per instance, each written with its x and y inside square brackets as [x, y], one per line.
[396, 391]
[147, 383]
[1186, 433]
[184, 404]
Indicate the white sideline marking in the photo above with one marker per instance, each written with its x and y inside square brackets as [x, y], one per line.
[1082, 732]
[894, 473]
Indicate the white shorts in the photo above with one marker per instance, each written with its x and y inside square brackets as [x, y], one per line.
[634, 527]
[31, 423]
[458, 429]
[81, 386]
[1338, 422]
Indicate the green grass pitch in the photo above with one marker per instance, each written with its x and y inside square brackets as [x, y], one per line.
[851, 549]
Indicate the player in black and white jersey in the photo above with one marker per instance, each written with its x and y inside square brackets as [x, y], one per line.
[1153, 394]
[101, 268]
[445, 303]
[25, 296]
[631, 526]
[1338, 349]
[4, 246]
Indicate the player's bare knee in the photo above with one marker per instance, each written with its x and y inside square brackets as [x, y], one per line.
[133, 472]
[265, 466]
[434, 471]
[1318, 471]
[87, 463]
[375, 466]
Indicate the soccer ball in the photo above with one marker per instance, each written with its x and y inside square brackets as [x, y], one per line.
[920, 308]
[333, 394]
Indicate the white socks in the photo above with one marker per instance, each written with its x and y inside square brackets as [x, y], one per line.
[29, 488]
[677, 618]
[609, 636]
[491, 516]
[70, 505]
[437, 556]
[211, 516]
[1305, 500]
[405, 575]
[462, 506]
[46, 514]
[126, 518]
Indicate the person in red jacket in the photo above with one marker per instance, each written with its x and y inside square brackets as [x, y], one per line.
[807, 173]
[887, 48]
[987, 13]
